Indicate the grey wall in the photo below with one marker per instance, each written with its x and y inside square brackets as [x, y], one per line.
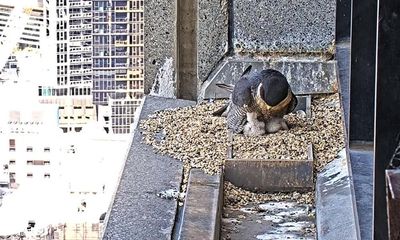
[212, 35]
[159, 47]
[287, 26]
[256, 29]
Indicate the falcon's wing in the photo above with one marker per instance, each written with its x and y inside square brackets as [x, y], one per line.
[237, 118]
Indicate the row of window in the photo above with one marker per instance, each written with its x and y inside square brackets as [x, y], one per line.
[29, 175]
[15, 116]
[45, 91]
[72, 117]
[32, 162]
[12, 147]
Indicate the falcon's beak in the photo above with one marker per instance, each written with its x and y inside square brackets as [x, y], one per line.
[260, 91]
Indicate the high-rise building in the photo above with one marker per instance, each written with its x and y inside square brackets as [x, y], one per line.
[73, 36]
[72, 90]
[93, 50]
[118, 60]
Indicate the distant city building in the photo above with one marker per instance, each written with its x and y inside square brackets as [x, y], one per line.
[28, 150]
[93, 51]
[51, 123]
[23, 24]
[118, 59]
[44, 167]
[71, 89]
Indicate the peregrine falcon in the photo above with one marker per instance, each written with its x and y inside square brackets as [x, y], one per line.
[258, 102]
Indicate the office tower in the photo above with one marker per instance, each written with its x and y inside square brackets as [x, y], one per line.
[71, 89]
[93, 52]
[117, 60]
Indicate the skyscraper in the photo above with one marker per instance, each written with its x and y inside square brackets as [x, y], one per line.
[71, 55]
[118, 59]
[93, 50]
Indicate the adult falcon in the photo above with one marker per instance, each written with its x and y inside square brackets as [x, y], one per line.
[258, 103]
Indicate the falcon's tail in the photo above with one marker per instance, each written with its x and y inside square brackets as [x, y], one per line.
[230, 87]
[227, 87]
[222, 111]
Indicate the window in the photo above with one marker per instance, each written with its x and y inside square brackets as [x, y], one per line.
[46, 162]
[12, 162]
[12, 145]
[12, 177]
[38, 162]
[29, 149]
[47, 175]
[29, 162]
[29, 175]
[46, 149]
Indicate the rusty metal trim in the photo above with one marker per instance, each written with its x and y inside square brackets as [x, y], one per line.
[271, 175]
[393, 181]
[393, 202]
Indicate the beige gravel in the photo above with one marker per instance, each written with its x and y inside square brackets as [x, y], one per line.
[199, 140]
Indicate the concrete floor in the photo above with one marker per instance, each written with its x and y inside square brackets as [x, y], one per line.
[362, 167]
[361, 154]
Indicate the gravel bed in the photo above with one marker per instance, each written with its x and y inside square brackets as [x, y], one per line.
[199, 140]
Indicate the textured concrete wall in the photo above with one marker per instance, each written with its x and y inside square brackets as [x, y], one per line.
[159, 44]
[284, 26]
[161, 50]
[212, 35]
[258, 27]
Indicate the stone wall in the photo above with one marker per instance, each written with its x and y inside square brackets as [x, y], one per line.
[236, 30]
[284, 26]
[212, 35]
[159, 44]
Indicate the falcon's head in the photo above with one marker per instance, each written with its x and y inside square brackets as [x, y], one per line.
[274, 93]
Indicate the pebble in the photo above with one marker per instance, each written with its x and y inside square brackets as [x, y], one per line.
[199, 140]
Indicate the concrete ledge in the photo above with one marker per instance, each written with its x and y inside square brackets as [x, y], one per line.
[137, 212]
[336, 211]
[306, 75]
[203, 206]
